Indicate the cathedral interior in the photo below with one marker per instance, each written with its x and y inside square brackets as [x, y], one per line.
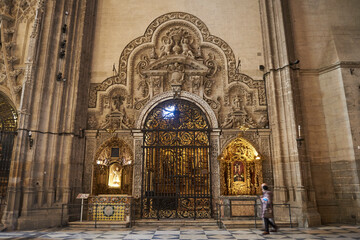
[177, 107]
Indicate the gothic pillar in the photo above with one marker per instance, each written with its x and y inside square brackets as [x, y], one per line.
[292, 176]
[54, 109]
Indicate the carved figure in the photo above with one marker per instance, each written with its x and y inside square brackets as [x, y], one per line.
[166, 47]
[186, 49]
[116, 176]
[177, 76]
[117, 103]
[144, 88]
[250, 122]
[262, 122]
[229, 121]
[237, 101]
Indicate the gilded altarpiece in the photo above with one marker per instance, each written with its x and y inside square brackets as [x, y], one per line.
[112, 172]
[241, 169]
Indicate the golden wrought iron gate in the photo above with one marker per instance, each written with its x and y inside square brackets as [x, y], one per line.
[176, 174]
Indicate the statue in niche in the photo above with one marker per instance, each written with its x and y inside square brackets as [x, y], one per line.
[237, 101]
[166, 47]
[115, 175]
[117, 119]
[117, 103]
[186, 49]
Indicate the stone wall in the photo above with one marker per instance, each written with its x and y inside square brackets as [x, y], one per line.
[326, 40]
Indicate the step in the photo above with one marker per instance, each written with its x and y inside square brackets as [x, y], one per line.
[235, 224]
[176, 222]
[99, 224]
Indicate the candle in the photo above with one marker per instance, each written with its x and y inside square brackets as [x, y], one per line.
[299, 131]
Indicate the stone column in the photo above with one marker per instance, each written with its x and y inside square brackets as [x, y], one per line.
[215, 166]
[45, 177]
[138, 166]
[292, 176]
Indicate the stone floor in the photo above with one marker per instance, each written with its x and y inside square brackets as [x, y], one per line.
[187, 232]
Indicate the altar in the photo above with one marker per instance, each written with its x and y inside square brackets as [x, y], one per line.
[239, 206]
[109, 208]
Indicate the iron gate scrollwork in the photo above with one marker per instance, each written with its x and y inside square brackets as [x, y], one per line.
[176, 174]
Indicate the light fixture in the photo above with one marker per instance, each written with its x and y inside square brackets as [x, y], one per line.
[294, 62]
[59, 76]
[299, 138]
[31, 140]
[81, 133]
[102, 162]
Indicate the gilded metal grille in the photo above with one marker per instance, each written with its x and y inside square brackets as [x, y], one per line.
[176, 173]
[8, 125]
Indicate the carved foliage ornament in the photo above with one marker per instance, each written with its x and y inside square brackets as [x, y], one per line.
[11, 14]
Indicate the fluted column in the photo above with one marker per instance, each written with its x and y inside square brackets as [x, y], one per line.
[292, 176]
[54, 109]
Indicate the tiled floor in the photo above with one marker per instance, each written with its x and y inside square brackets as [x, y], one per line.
[187, 232]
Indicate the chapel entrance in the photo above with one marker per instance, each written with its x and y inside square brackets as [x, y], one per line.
[8, 127]
[176, 173]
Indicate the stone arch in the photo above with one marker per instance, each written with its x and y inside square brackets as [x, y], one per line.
[8, 128]
[8, 114]
[201, 103]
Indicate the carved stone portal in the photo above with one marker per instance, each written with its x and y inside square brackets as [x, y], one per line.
[240, 169]
[177, 54]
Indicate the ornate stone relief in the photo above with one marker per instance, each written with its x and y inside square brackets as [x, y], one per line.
[12, 13]
[242, 108]
[178, 54]
[112, 114]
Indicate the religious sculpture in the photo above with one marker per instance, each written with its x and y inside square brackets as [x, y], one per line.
[115, 176]
[185, 44]
[166, 47]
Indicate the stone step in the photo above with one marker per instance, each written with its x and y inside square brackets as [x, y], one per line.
[98, 224]
[176, 222]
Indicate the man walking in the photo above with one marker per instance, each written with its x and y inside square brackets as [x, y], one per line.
[267, 209]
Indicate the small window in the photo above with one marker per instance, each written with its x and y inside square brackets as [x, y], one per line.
[115, 152]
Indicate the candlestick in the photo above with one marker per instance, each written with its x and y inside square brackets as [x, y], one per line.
[299, 131]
